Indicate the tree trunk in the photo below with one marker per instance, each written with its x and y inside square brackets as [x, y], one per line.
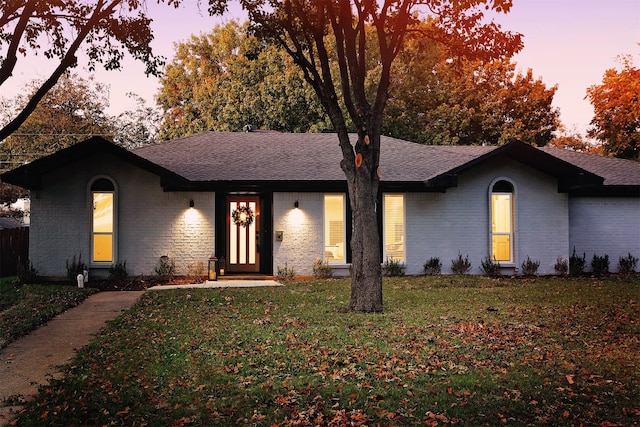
[366, 280]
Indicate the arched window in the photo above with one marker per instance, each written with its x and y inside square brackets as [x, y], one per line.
[502, 224]
[103, 221]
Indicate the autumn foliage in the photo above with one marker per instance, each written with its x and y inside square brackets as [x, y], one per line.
[616, 104]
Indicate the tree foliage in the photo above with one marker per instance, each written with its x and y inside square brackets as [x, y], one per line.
[135, 128]
[435, 100]
[616, 104]
[327, 40]
[72, 111]
[228, 79]
[58, 29]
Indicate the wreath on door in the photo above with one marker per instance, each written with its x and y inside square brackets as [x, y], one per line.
[242, 216]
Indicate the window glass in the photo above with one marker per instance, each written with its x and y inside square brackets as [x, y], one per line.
[502, 221]
[334, 228]
[393, 228]
[102, 226]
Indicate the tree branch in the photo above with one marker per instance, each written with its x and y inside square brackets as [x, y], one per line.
[68, 61]
[9, 63]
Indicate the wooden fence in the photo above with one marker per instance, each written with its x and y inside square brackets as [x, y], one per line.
[14, 249]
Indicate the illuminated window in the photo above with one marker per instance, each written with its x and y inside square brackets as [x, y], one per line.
[502, 221]
[334, 228]
[102, 221]
[394, 230]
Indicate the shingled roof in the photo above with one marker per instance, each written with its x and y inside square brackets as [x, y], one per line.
[274, 156]
[311, 162]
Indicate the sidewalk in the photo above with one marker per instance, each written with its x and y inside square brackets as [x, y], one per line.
[31, 360]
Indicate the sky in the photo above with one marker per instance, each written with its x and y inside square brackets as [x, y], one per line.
[568, 43]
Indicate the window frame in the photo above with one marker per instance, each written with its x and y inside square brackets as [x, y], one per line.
[385, 254]
[325, 243]
[512, 212]
[114, 221]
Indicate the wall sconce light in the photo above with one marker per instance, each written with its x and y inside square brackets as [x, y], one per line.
[191, 203]
[296, 204]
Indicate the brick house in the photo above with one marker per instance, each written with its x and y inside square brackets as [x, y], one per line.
[260, 200]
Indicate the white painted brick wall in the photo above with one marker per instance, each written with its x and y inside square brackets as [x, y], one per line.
[150, 223]
[602, 226]
[442, 225]
[302, 242]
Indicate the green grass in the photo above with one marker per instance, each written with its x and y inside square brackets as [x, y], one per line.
[447, 349]
[25, 307]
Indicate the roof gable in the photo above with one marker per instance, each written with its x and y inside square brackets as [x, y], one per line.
[569, 175]
[30, 175]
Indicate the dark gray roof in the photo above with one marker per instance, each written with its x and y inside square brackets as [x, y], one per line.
[614, 171]
[273, 156]
[212, 160]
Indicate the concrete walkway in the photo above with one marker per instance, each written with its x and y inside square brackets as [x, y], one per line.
[244, 283]
[31, 360]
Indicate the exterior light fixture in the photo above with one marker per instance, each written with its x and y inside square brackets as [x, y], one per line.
[191, 203]
[213, 268]
[296, 204]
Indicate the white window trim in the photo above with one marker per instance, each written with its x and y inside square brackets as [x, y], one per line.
[513, 234]
[103, 264]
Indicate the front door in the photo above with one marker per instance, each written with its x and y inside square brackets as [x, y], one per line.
[243, 234]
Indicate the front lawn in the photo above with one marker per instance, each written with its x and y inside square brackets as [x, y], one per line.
[25, 307]
[447, 350]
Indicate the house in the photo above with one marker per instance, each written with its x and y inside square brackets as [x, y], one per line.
[262, 200]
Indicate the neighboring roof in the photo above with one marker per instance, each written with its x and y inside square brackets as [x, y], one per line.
[285, 161]
[6, 222]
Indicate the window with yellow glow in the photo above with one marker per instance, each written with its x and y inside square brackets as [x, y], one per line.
[394, 227]
[502, 222]
[102, 223]
[334, 228]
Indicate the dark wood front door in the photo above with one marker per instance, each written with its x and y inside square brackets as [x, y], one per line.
[243, 234]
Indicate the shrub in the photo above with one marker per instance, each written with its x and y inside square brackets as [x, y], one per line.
[118, 271]
[393, 268]
[433, 266]
[562, 266]
[196, 271]
[600, 264]
[285, 274]
[530, 268]
[26, 273]
[321, 270]
[576, 263]
[74, 268]
[490, 266]
[166, 268]
[460, 265]
[627, 264]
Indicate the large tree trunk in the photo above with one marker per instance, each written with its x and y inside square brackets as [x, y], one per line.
[362, 181]
[366, 280]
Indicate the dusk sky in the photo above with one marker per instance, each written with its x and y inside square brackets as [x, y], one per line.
[567, 42]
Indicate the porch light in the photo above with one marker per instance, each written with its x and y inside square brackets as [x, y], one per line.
[191, 203]
[296, 204]
[213, 268]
